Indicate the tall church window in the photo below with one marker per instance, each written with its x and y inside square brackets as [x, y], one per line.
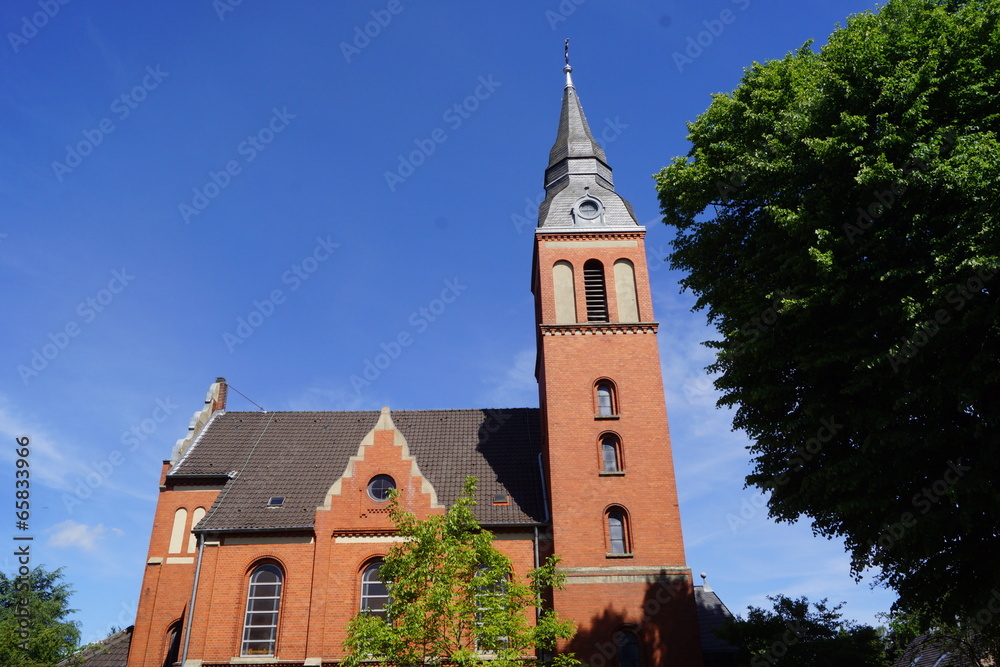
[606, 399]
[618, 537]
[173, 644]
[490, 591]
[628, 648]
[595, 291]
[628, 304]
[564, 292]
[611, 454]
[260, 628]
[374, 592]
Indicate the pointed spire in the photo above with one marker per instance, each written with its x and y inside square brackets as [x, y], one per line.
[574, 139]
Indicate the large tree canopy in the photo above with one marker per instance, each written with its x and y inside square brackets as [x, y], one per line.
[34, 629]
[837, 216]
[793, 635]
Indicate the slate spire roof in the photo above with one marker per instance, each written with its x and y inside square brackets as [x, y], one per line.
[574, 138]
[578, 169]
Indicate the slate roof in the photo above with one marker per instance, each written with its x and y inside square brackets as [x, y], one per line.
[109, 652]
[574, 138]
[299, 455]
[928, 652]
[712, 613]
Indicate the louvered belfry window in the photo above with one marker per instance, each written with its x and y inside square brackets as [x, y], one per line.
[594, 288]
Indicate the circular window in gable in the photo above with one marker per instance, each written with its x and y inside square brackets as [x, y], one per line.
[379, 487]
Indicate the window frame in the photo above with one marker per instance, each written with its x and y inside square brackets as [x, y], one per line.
[611, 513]
[382, 612]
[258, 569]
[612, 390]
[622, 633]
[615, 442]
[381, 477]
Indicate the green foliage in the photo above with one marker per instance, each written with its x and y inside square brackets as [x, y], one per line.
[793, 635]
[837, 217]
[46, 636]
[454, 598]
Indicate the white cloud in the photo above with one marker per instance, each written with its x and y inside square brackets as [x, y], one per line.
[68, 534]
[514, 386]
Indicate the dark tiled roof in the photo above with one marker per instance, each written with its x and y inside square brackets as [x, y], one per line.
[712, 613]
[299, 455]
[109, 652]
[926, 651]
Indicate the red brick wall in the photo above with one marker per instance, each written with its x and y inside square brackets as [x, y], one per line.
[574, 359]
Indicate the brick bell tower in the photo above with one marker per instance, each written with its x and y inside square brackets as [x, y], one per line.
[615, 519]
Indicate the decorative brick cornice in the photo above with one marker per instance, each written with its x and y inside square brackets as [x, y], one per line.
[605, 234]
[594, 328]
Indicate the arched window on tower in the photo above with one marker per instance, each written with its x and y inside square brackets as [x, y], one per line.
[564, 292]
[607, 405]
[628, 304]
[628, 648]
[260, 628]
[611, 454]
[173, 644]
[595, 291]
[618, 532]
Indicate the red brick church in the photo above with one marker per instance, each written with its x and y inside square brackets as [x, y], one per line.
[270, 526]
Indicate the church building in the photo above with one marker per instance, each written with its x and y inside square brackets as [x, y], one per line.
[270, 527]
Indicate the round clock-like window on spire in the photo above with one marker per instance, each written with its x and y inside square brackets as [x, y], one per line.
[588, 210]
[379, 487]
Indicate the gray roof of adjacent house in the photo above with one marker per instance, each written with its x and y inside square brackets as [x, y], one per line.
[712, 613]
[299, 455]
[926, 651]
[109, 652]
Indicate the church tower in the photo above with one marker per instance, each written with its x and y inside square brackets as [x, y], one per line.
[615, 519]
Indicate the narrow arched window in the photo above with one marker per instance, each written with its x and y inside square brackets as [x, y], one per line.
[564, 292]
[611, 460]
[260, 628]
[628, 304]
[595, 292]
[628, 648]
[606, 400]
[374, 592]
[490, 591]
[617, 531]
[173, 644]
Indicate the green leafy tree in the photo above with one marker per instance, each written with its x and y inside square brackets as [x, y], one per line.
[793, 635]
[454, 599]
[837, 217]
[34, 626]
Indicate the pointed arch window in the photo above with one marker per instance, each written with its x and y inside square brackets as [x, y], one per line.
[618, 532]
[595, 291]
[374, 591]
[173, 644]
[260, 627]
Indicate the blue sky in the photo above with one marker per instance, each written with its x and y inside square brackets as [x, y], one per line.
[169, 170]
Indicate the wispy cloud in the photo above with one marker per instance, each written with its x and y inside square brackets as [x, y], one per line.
[70, 534]
[515, 385]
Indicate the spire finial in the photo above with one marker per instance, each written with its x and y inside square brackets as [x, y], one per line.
[568, 68]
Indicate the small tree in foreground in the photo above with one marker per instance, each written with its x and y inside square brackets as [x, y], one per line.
[454, 598]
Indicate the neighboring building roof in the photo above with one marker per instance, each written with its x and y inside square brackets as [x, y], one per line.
[299, 455]
[926, 651]
[109, 652]
[712, 613]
